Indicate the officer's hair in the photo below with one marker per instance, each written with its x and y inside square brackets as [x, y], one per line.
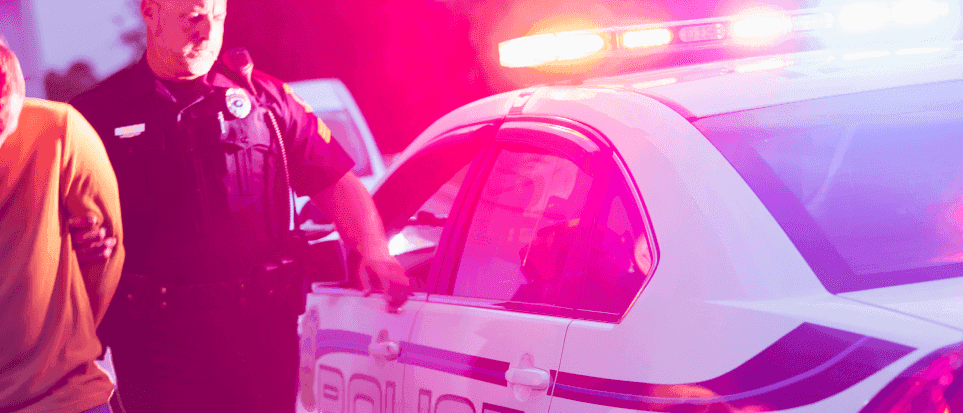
[12, 82]
[159, 3]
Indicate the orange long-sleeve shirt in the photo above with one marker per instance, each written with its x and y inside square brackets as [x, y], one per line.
[53, 167]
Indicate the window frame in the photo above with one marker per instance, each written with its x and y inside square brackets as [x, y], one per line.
[558, 136]
[480, 133]
[620, 170]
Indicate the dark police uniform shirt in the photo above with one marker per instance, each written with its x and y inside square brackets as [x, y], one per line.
[203, 193]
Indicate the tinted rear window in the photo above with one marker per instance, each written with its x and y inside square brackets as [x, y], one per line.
[868, 186]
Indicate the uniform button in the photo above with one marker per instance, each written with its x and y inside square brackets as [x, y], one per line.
[163, 304]
[130, 297]
[163, 290]
[270, 292]
[243, 286]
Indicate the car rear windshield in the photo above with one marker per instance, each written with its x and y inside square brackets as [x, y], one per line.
[868, 186]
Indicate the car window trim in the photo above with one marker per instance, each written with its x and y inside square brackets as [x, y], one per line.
[485, 133]
[455, 238]
[446, 139]
[617, 170]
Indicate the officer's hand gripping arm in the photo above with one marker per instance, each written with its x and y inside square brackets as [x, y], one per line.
[90, 190]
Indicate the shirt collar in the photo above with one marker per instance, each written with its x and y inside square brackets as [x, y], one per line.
[145, 82]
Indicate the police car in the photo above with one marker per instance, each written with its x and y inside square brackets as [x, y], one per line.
[778, 232]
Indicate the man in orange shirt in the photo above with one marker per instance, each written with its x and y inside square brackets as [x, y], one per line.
[52, 166]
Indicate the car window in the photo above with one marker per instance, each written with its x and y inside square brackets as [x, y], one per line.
[868, 186]
[415, 242]
[523, 225]
[416, 200]
[621, 256]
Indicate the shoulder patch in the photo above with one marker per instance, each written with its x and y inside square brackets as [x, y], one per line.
[324, 131]
[288, 90]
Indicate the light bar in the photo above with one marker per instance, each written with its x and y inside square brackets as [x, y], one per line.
[646, 38]
[772, 25]
[848, 23]
[547, 48]
[702, 33]
[573, 46]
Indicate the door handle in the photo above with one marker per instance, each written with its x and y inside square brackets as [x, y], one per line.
[384, 350]
[535, 379]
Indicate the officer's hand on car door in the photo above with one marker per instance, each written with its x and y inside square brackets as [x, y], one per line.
[90, 240]
[391, 274]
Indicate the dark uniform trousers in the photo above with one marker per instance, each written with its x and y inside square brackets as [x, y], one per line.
[225, 359]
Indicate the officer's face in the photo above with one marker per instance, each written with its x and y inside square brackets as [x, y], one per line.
[11, 94]
[184, 37]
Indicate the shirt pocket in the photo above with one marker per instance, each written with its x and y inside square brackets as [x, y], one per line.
[246, 144]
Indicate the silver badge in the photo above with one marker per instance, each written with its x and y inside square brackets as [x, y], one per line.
[238, 103]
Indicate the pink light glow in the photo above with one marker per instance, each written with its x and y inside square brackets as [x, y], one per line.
[760, 26]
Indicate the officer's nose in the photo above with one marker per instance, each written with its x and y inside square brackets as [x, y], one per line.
[202, 31]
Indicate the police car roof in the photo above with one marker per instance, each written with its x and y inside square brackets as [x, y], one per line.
[733, 85]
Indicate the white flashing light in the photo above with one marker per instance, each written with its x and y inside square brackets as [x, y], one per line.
[573, 46]
[863, 17]
[763, 26]
[547, 48]
[914, 12]
[646, 38]
[528, 51]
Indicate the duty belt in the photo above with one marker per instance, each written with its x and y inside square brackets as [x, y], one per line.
[265, 285]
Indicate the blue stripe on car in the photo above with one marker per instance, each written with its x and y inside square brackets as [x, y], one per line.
[477, 368]
[807, 365]
[340, 341]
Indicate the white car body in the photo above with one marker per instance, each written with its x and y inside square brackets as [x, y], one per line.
[730, 312]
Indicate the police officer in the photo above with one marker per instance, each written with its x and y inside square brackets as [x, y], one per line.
[205, 151]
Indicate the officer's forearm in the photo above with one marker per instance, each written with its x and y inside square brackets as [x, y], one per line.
[353, 211]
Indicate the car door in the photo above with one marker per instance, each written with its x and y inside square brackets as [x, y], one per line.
[350, 343]
[348, 347]
[491, 332]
